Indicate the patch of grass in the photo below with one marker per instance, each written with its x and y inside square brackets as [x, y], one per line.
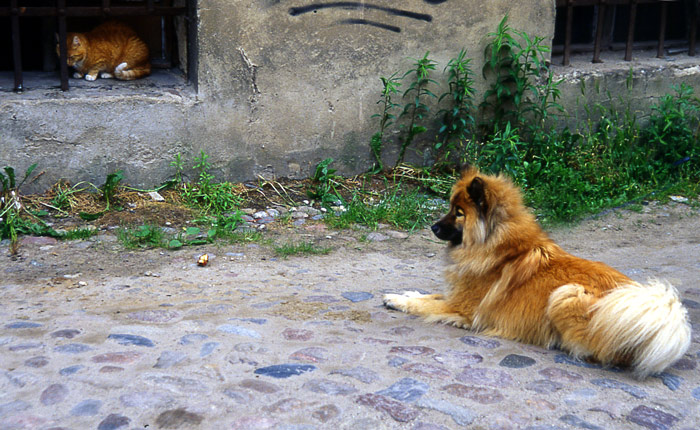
[78, 233]
[144, 236]
[300, 248]
[405, 210]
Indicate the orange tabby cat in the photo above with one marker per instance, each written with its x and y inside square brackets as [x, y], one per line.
[110, 50]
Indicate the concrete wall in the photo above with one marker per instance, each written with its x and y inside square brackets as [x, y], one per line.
[280, 88]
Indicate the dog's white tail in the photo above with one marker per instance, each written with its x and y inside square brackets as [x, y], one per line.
[648, 323]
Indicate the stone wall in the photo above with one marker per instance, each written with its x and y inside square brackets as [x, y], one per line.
[281, 86]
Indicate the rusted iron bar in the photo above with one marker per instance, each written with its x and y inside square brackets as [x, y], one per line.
[98, 11]
[569, 23]
[599, 32]
[693, 30]
[16, 46]
[62, 48]
[630, 30]
[662, 29]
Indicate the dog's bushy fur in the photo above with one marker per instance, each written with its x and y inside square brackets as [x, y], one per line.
[509, 279]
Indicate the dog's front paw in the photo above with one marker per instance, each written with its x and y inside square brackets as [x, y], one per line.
[399, 302]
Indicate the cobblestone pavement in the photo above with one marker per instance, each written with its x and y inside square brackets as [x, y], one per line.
[96, 337]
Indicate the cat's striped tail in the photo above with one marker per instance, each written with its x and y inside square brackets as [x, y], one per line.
[123, 72]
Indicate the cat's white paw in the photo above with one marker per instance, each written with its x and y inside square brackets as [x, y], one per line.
[90, 77]
[77, 75]
[105, 75]
[120, 68]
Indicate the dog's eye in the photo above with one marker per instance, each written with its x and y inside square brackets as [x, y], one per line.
[459, 212]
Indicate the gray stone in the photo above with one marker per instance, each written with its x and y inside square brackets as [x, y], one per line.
[357, 296]
[515, 361]
[131, 339]
[326, 386]
[169, 359]
[14, 406]
[191, 338]
[72, 348]
[54, 393]
[461, 415]
[575, 421]
[483, 395]
[360, 373]
[178, 418]
[613, 384]
[397, 410]
[405, 390]
[653, 419]
[86, 408]
[285, 370]
[480, 342]
[238, 330]
[208, 348]
[113, 422]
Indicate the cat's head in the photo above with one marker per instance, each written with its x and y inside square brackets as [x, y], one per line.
[77, 49]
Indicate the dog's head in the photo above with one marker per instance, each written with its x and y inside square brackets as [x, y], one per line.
[478, 204]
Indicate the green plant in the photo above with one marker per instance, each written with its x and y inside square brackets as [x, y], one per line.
[324, 183]
[390, 87]
[11, 206]
[144, 236]
[63, 200]
[457, 118]
[179, 166]
[416, 109]
[404, 210]
[209, 197]
[300, 248]
[514, 62]
[108, 190]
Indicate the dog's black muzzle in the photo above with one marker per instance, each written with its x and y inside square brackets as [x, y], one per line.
[447, 231]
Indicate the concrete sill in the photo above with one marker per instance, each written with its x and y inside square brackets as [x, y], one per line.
[46, 85]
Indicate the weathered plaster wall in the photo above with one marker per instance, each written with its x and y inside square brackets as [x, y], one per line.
[280, 88]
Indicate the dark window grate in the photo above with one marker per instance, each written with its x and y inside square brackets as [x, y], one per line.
[108, 9]
[600, 21]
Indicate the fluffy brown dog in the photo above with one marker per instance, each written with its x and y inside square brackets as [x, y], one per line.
[509, 279]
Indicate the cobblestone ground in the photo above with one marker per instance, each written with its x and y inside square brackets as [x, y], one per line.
[96, 337]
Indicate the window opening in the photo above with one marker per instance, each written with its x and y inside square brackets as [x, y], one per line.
[602, 25]
[167, 27]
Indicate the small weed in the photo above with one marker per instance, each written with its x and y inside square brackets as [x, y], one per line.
[416, 109]
[144, 236]
[324, 180]
[78, 234]
[390, 87]
[11, 207]
[300, 248]
[209, 197]
[457, 119]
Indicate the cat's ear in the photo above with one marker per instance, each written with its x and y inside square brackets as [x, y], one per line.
[76, 41]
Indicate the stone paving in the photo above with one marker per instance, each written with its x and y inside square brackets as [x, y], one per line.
[256, 342]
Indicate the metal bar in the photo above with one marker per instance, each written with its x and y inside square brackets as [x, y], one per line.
[62, 47]
[105, 7]
[16, 47]
[569, 23]
[693, 30]
[630, 30]
[599, 32]
[150, 6]
[98, 11]
[662, 29]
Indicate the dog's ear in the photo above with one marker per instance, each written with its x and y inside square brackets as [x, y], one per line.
[466, 168]
[477, 193]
